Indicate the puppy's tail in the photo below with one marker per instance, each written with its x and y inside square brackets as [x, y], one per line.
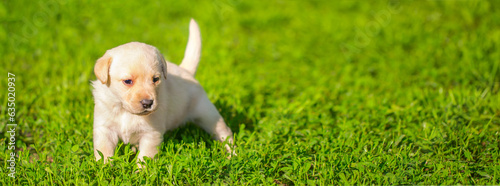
[193, 49]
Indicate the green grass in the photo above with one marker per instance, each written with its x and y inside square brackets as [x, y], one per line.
[320, 92]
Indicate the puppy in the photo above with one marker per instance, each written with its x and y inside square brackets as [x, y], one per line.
[139, 96]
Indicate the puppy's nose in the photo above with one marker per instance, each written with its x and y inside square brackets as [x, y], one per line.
[146, 103]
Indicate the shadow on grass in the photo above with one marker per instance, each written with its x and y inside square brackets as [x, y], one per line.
[190, 133]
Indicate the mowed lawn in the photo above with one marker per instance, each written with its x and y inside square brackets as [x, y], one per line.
[320, 92]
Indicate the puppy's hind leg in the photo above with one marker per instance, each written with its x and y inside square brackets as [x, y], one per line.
[208, 118]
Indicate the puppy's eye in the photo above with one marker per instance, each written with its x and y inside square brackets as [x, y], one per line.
[156, 79]
[128, 82]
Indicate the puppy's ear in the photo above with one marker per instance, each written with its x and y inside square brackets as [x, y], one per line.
[101, 68]
[161, 59]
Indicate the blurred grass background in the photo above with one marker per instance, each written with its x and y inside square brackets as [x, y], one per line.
[317, 92]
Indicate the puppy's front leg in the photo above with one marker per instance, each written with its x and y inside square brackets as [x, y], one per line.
[208, 118]
[148, 144]
[105, 141]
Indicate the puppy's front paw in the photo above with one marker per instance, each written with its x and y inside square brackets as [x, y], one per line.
[230, 151]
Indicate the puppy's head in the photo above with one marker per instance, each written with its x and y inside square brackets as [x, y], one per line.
[133, 73]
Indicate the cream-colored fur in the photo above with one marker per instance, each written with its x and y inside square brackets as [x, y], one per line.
[130, 75]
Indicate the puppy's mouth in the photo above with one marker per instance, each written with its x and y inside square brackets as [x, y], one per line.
[145, 112]
[140, 112]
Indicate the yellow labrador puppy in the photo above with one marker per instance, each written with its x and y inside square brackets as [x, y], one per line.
[139, 96]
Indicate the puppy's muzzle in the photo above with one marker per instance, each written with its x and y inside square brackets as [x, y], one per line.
[147, 103]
